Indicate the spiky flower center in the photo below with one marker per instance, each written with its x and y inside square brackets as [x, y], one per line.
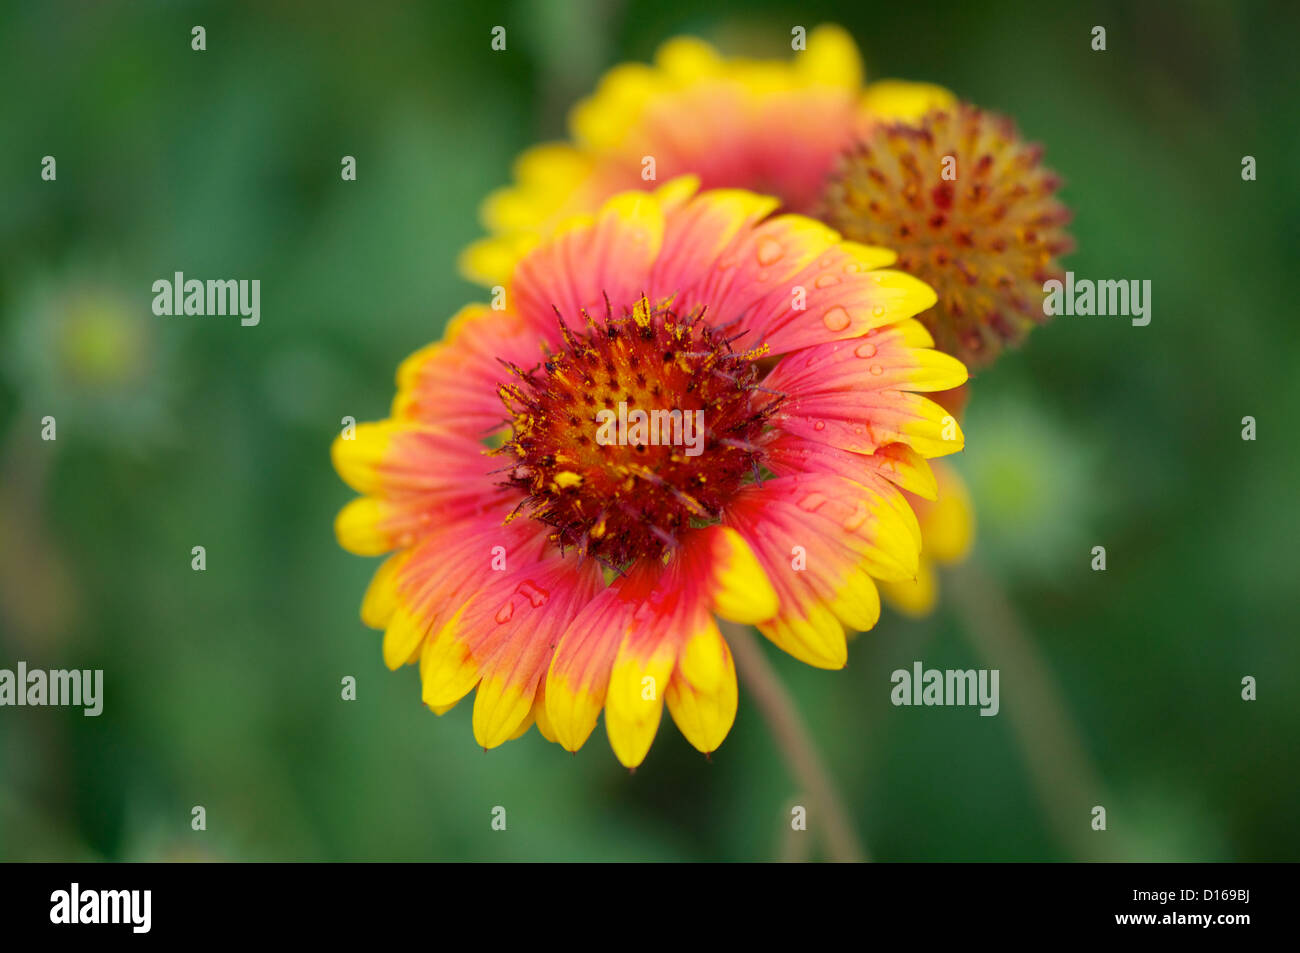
[970, 210]
[643, 425]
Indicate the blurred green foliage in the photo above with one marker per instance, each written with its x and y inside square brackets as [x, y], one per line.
[223, 687]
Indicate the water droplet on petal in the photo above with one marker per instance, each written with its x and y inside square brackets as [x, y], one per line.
[812, 502]
[533, 593]
[505, 612]
[865, 350]
[820, 425]
[769, 251]
[877, 370]
[825, 281]
[878, 310]
[836, 319]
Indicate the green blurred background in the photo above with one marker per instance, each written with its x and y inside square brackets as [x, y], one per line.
[223, 687]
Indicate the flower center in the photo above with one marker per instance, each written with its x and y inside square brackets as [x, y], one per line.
[640, 427]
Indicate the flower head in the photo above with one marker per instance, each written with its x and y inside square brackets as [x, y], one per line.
[970, 209]
[562, 572]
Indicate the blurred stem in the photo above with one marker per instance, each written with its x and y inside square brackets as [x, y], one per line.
[1064, 778]
[791, 734]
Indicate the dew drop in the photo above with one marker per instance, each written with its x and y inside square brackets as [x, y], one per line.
[825, 281]
[836, 319]
[769, 251]
[865, 350]
[820, 425]
[533, 593]
[878, 310]
[877, 370]
[812, 502]
[505, 612]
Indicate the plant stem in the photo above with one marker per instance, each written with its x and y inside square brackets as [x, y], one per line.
[839, 836]
[1058, 764]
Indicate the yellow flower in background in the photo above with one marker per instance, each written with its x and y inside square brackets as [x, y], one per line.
[787, 128]
[770, 126]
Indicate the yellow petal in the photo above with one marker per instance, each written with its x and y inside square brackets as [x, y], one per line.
[903, 101]
[447, 670]
[688, 59]
[813, 635]
[491, 261]
[501, 706]
[358, 458]
[359, 527]
[702, 692]
[380, 601]
[742, 591]
[540, 716]
[635, 700]
[932, 431]
[406, 630]
[913, 597]
[831, 58]
[856, 602]
[949, 525]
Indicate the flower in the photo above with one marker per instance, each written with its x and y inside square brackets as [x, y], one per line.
[971, 211]
[769, 126]
[789, 129]
[562, 573]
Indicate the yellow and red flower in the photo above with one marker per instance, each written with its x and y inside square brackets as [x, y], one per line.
[560, 573]
[876, 162]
